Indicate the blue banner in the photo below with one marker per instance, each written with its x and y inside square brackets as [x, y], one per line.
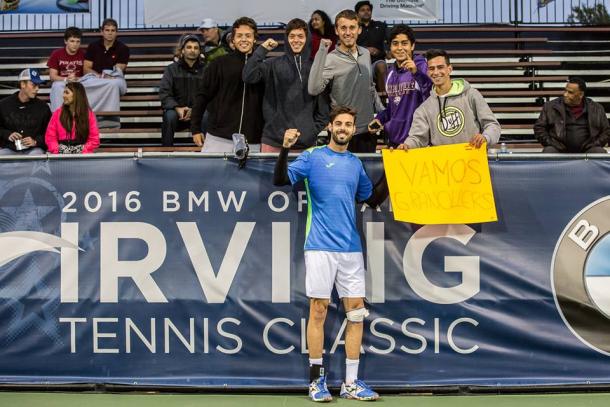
[189, 271]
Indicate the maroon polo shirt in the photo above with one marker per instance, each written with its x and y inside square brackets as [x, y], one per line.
[103, 58]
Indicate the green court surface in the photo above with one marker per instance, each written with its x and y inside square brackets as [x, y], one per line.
[23, 399]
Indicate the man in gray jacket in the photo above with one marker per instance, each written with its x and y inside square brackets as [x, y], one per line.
[347, 71]
[454, 113]
[286, 102]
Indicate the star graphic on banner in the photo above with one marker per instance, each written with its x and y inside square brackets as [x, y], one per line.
[28, 215]
[87, 241]
[32, 302]
[35, 303]
[41, 166]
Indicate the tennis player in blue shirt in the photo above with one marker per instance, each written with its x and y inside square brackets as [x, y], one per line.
[334, 179]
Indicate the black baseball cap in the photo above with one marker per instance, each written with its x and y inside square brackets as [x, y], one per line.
[363, 3]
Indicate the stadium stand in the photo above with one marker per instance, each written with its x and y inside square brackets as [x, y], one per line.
[517, 69]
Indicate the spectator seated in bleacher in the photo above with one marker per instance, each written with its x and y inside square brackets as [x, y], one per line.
[373, 34]
[24, 117]
[178, 88]
[104, 67]
[572, 123]
[407, 84]
[286, 103]
[65, 65]
[454, 113]
[373, 37]
[215, 42]
[73, 128]
[320, 27]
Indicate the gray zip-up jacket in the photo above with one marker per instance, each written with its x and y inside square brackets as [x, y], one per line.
[286, 102]
[350, 80]
[464, 114]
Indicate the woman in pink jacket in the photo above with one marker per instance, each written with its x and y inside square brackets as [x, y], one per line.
[73, 128]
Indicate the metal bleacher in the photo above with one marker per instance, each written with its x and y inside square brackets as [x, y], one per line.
[516, 69]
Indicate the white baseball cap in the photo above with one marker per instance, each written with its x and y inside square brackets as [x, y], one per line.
[31, 74]
[208, 23]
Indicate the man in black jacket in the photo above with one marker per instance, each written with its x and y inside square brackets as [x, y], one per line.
[572, 123]
[373, 35]
[179, 84]
[24, 117]
[233, 106]
[287, 104]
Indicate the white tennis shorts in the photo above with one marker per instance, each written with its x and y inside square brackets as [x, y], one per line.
[343, 270]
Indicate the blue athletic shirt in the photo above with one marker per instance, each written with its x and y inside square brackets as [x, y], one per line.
[334, 181]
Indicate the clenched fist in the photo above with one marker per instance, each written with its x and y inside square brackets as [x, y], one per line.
[290, 137]
[269, 44]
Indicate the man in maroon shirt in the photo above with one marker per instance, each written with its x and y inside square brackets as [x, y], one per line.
[65, 65]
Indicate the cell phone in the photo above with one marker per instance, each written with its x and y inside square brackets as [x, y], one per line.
[375, 126]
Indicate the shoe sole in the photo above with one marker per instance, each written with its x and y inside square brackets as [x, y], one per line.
[327, 400]
[350, 397]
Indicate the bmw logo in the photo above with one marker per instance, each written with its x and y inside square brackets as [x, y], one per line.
[580, 274]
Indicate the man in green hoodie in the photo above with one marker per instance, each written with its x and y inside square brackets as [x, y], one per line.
[454, 113]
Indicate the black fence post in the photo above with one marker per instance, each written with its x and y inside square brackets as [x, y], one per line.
[103, 11]
[517, 9]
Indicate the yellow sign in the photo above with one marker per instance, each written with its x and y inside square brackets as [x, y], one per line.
[440, 185]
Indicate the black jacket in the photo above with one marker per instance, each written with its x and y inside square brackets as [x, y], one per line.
[221, 93]
[374, 35]
[30, 119]
[287, 104]
[550, 128]
[180, 83]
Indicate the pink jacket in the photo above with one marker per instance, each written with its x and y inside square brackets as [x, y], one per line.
[56, 134]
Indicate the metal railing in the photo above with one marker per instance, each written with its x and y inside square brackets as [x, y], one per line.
[492, 155]
[130, 14]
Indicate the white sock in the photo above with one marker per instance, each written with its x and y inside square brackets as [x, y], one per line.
[315, 361]
[351, 370]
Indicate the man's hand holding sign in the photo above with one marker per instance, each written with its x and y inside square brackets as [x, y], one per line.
[448, 184]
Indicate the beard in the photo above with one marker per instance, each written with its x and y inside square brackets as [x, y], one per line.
[338, 141]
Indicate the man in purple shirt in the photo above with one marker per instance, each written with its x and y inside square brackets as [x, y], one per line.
[407, 85]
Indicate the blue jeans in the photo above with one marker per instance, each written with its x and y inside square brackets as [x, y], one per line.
[171, 125]
[27, 151]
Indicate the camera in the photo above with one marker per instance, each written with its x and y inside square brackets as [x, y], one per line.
[240, 146]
